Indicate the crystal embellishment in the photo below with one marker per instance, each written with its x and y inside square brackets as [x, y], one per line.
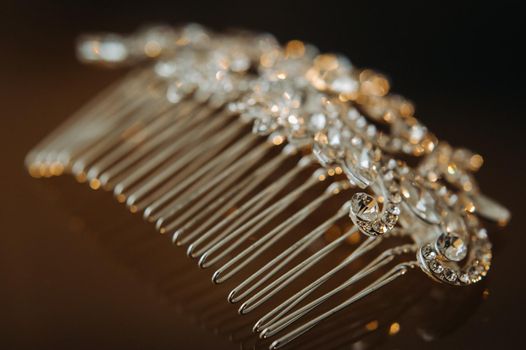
[452, 247]
[365, 207]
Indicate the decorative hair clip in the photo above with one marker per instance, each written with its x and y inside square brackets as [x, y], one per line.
[229, 142]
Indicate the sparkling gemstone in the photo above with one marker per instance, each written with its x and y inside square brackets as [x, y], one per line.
[482, 233]
[450, 275]
[391, 164]
[464, 278]
[361, 122]
[380, 227]
[390, 219]
[353, 114]
[484, 257]
[344, 84]
[326, 147]
[416, 133]
[395, 210]
[360, 166]
[174, 93]
[474, 273]
[109, 48]
[452, 246]
[395, 198]
[371, 130]
[356, 141]
[389, 176]
[421, 201]
[165, 69]
[318, 121]
[322, 156]
[365, 207]
[428, 252]
[366, 226]
[334, 137]
[264, 125]
[409, 129]
[436, 267]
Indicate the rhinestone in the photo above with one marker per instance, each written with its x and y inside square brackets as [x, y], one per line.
[365, 207]
[264, 126]
[464, 278]
[353, 114]
[421, 201]
[452, 247]
[318, 121]
[322, 157]
[356, 141]
[390, 219]
[380, 227]
[165, 69]
[112, 49]
[428, 253]
[395, 198]
[484, 257]
[482, 233]
[474, 273]
[173, 93]
[359, 176]
[361, 122]
[366, 226]
[450, 275]
[371, 130]
[391, 164]
[395, 210]
[416, 133]
[334, 137]
[345, 85]
[410, 130]
[436, 267]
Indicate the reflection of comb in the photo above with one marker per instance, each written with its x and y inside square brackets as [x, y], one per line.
[172, 140]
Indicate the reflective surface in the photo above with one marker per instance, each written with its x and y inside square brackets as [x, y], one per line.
[77, 271]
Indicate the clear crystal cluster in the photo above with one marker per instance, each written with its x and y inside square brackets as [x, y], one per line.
[346, 116]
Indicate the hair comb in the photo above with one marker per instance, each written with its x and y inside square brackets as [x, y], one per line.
[231, 143]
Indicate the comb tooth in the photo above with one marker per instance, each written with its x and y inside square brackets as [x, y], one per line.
[278, 231]
[320, 254]
[185, 162]
[232, 175]
[145, 108]
[75, 138]
[169, 124]
[132, 176]
[207, 157]
[257, 221]
[51, 146]
[284, 280]
[198, 183]
[104, 119]
[213, 182]
[286, 255]
[243, 212]
[183, 123]
[161, 147]
[397, 271]
[239, 191]
[145, 130]
[270, 238]
[189, 167]
[276, 324]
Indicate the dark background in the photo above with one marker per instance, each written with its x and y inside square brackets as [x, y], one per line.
[62, 286]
